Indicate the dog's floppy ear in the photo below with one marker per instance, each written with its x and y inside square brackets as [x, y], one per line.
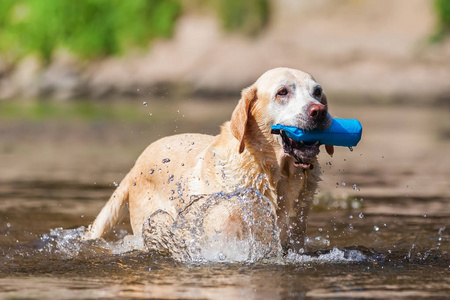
[239, 118]
[328, 148]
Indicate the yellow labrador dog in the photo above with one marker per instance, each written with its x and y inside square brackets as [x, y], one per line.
[244, 154]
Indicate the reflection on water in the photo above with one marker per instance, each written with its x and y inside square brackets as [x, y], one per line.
[349, 253]
[379, 239]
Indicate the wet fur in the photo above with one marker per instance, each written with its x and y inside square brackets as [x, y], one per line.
[244, 154]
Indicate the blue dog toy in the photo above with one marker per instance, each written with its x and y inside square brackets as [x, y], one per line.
[342, 132]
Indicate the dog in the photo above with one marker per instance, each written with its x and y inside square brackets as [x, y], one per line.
[244, 154]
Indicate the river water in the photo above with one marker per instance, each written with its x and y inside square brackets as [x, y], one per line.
[379, 228]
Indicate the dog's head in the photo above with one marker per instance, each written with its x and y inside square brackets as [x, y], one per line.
[288, 97]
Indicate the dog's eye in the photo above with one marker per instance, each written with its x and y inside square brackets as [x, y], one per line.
[282, 92]
[317, 92]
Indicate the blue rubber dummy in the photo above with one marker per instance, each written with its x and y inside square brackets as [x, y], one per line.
[342, 132]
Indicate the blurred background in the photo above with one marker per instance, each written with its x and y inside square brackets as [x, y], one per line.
[103, 49]
[86, 85]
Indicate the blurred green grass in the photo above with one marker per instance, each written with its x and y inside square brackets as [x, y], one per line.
[96, 28]
[245, 16]
[91, 29]
[442, 9]
[88, 28]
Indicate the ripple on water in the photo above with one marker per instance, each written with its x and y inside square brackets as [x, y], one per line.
[197, 235]
[193, 238]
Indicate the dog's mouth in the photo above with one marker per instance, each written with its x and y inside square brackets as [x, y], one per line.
[304, 153]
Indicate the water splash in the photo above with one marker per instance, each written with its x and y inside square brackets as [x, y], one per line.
[70, 243]
[334, 255]
[198, 232]
[236, 227]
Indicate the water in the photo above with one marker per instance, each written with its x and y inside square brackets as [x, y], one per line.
[196, 234]
[408, 256]
[383, 234]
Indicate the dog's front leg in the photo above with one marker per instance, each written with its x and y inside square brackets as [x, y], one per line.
[295, 198]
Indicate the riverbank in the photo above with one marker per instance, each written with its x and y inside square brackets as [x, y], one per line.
[373, 51]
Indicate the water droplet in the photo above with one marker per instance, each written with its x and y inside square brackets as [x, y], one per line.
[171, 177]
[343, 183]
[134, 183]
[115, 183]
[8, 225]
[144, 103]
[151, 171]
[165, 160]
[376, 228]
[351, 149]
[361, 215]
[222, 256]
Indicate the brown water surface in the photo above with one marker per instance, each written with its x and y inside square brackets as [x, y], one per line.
[379, 229]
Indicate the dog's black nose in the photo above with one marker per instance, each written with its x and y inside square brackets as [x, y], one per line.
[317, 112]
